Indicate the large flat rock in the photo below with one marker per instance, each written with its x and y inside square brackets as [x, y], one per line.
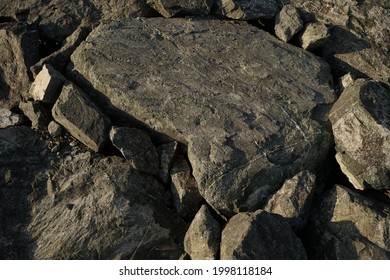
[249, 107]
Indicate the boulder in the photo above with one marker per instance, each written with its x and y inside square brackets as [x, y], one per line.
[348, 225]
[314, 36]
[137, 147]
[258, 121]
[246, 9]
[169, 8]
[288, 23]
[37, 113]
[80, 116]
[8, 118]
[292, 201]
[166, 153]
[260, 236]
[361, 127]
[203, 236]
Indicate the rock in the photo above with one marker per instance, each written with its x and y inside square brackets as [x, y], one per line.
[361, 127]
[185, 189]
[246, 9]
[260, 236]
[54, 129]
[47, 85]
[37, 113]
[257, 122]
[137, 147]
[169, 8]
[8, 118]
[80, 116]
[120, 9]
[347, 225]
[18, 51]
[314, 36]
[346, 80]
[288, 23]
[166, 153]
[203, 236]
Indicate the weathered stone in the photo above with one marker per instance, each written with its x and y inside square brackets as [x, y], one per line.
[37, 113]
[246, 9]
[347, 225]
[361, 127]
[137, 147]
[260, 236]
[169, 8]
[54, 129]
[288, 23]
[47, 85]
[203, 236]
[314, 36]
[166, 154]
[7, 118]
[257, 122]
[346, 80]
[18, 51]
[184, 188]
[120, 9]
[80, 116]
[292, 201]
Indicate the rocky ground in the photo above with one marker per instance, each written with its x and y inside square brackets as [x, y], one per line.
[206, 129]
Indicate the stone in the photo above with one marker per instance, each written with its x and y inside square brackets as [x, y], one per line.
[169, 8]
[246, 9]
[260, 120]
[18, 51]
[346, 80]
[288, 23]
[203, 236]
[54, 129]
[185, 190]
[292, 201]
[314, 36]
[8, 118]
[166, 153]
[37, 113]
[347, 225]
[121, 9]
[260, 236]
[81, 117]
[137, 147]
[361, 126]
[47, 85]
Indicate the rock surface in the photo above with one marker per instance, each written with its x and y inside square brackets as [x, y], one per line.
[37, 113]
[260, 236]
[247, 129]
[361, 127]
[8, 118]
[166, 153]
[246, 9]
[169, 8]
[288, 23]
[54, 129]
[314, 36]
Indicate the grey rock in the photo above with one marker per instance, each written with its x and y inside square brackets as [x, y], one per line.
[166, 153]
[288, 23]
[314, 36]
[184, 188]
[260, 236]
[348, 225]
[80, 116]
[121, 9]
[47, 85]
[361, 127]
[257, 122]
[292, 201]
[54, 129]
[203, 236]
[8, 118]
[37, 113]
[137, 147]
[169, 8]
[246, 9]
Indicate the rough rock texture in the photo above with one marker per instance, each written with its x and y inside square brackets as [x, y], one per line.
[18, 51]
[137, 147]
[80, 116]
[203, 236]
[8, 118]
[347, 225]
[314, 36]
[47, 85]
[260, 236]
[288, 23]
[248, 128]
[246, 9]
[361, 127]
[166, 153]
[293, 200]
[37, 113]
[169, 8]
[54, 129]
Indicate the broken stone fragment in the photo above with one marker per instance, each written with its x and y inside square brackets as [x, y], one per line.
[37, 113]
[314, 36]
[246, 9]
[75, 111]
[169, 8]
[288, 23]
[8, 118]
[54, 129]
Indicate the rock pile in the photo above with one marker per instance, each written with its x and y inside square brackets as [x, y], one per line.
[194, 129]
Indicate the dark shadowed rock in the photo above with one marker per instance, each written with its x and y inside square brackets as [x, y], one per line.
[37, 113]
[314, 36]
[255, 123]
[80, 116]
[246, 9]
[137, 147]
[361, 127]
[288, 23]
[293, 199]
[169, 8]
[166, 154]
[203, 236]
[260, 236]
